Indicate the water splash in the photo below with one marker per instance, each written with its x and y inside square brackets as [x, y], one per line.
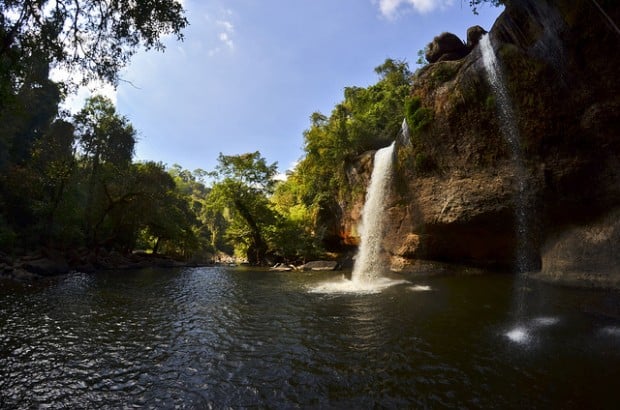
[369, 263]
[518, 335]
[346, 286]
[523, 333]
[420, 288]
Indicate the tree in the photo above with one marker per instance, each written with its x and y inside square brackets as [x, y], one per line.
[293, 237]
[54, 162]
[161, 211]
[474, 4]
[28, 108]
[367, 119]
[94, 37]
[106, 142]
[244, 182]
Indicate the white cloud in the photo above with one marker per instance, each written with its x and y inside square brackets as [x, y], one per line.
[228, 26]
[390, 8]
[224, 38]
[227, 29]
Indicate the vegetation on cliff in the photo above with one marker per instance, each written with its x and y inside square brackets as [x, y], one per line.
[70, 182]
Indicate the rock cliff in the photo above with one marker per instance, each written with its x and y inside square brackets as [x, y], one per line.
[454, 187]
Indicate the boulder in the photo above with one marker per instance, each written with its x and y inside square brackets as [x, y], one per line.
[446, 47]
[474, 34]
[45, 266]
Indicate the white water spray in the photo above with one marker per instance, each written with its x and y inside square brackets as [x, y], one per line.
[369, 262]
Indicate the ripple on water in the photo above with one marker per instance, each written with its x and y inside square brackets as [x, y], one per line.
[211, 338]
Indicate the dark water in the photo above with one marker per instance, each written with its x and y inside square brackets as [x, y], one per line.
[208, 337]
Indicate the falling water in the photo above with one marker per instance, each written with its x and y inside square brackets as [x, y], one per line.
[369, 264]
[405, 137]
[508, 125]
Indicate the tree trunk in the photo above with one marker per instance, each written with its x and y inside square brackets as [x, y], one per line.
[258, 249]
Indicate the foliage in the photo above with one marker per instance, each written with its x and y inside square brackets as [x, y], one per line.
[70, 182]
[96, 38]
[422, 61]
[294, 237]
[244, 182]
[367, 119]
[418, 117]
[444, 71]
[474, 4]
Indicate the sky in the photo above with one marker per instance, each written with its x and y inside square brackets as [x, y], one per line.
[249, 73]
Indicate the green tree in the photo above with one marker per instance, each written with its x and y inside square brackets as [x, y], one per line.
[293, 237]
[28, 107]
[161, 212]
[53, 161]
[244, 183]
[95, 37]
[106, 143]
[367, 119]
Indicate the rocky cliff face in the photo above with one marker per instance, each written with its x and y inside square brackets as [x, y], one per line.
[454, 187]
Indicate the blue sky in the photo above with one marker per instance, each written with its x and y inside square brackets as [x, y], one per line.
[250, 72]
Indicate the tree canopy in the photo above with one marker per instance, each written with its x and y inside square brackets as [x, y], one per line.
[367, 119]
[94, 37]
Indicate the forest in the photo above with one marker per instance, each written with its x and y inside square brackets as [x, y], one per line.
[70, 181]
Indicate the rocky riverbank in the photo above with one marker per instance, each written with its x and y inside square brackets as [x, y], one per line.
[46, 262]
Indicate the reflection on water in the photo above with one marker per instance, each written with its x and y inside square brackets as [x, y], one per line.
[232, 338]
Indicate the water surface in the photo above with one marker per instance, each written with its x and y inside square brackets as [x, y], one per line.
[213, 337]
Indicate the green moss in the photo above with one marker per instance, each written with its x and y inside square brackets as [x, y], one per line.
[443, 72]
[418, 117]
[421, 118]
[412, 104]
[489, 103]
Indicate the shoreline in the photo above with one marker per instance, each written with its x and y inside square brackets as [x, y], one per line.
[45, 263]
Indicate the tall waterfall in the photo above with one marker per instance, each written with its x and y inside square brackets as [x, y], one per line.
[369, 264]
[508, 125]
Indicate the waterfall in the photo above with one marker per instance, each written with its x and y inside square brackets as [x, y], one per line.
[369, 264]
[405, 137]
[508, 126]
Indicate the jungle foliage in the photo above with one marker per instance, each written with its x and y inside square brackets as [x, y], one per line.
[71, 181]
[367, 119]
